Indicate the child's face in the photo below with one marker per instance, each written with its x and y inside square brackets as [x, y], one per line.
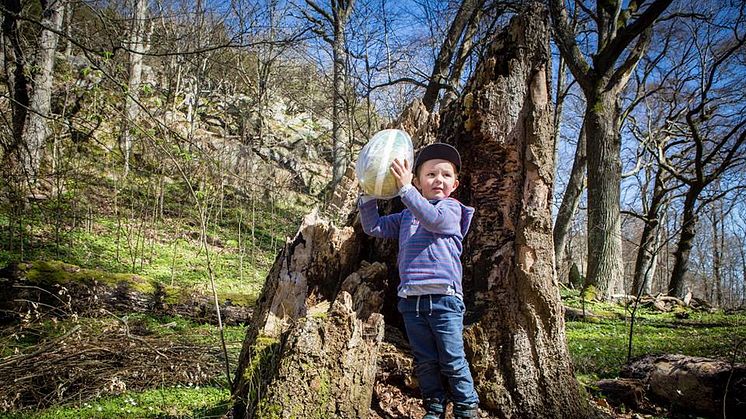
[436, 179]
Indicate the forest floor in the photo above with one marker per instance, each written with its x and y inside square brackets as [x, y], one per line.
[103, 364]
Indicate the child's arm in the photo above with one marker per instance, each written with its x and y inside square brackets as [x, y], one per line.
[441, 218]
[374, 225]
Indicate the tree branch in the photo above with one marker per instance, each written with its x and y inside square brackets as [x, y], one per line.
[611, 52]
[565, 38]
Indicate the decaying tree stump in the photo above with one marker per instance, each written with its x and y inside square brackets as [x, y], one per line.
[517, 347]
[304, 356]
[688, 384]
[503, 128]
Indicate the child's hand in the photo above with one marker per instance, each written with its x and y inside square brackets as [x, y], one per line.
[402, 173]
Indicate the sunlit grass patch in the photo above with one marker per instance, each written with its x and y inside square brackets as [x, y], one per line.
[599, 347]
[168, 402]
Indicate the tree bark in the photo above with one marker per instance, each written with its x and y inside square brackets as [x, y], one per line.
[605, 270]
[517, 345]
[677, 284]
[136, 46]
[36, 128]
[647, 253]
[570, 199]
[341, 12]
[311, 348]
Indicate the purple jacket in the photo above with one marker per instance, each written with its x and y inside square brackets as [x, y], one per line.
[430, 235]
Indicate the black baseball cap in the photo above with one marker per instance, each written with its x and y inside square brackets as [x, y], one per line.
[438, 151]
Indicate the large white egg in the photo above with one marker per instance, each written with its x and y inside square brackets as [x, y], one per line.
[373, 168]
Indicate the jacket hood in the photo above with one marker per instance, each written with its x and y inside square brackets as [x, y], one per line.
[467, 213]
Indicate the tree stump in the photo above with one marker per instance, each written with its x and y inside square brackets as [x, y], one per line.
[517, 347]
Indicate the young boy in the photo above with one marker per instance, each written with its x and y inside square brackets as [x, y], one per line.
[430, 231]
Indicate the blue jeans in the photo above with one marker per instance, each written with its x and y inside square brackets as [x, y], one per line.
[435, 325]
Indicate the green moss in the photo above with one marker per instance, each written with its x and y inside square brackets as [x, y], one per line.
[260, 371]
[56, 272]
[598, 107]
[237, 298]
[269, 410]
[589, 293]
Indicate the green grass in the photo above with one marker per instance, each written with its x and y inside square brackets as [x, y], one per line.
[168, 252]
[169, 402]
[599, 347]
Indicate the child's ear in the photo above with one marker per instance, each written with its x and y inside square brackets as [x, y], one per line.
[455, 184]
[416, 182]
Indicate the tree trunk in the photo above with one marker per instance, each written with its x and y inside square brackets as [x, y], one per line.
[341, 11]
[570, 200]
[36, 128]
[448, 48]
[605, 270]
[517, 345]
[503, 127]
[717, 252]
[131, 103]
[676, 286]
[647, 253]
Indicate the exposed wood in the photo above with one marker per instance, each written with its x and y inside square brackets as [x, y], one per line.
[629, 392]
[517, 344]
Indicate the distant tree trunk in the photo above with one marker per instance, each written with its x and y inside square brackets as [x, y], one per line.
[647, 253]
[36, 128]
[677, 284]
[717, 251]
[68, 28]
[15, 73]
[136, 46]
[448, 48]
[570, 199]
[340, 14]
[602, 126]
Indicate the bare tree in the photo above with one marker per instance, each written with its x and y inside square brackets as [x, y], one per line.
[708, 138]
[622, 36]
[330, 25]
[36, 128]
[441, 69]
[136, 46]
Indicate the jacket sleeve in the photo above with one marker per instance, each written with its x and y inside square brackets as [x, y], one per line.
[386, 227]
[442, 218]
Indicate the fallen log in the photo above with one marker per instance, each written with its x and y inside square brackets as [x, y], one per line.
[688, 384]
[63, 289]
